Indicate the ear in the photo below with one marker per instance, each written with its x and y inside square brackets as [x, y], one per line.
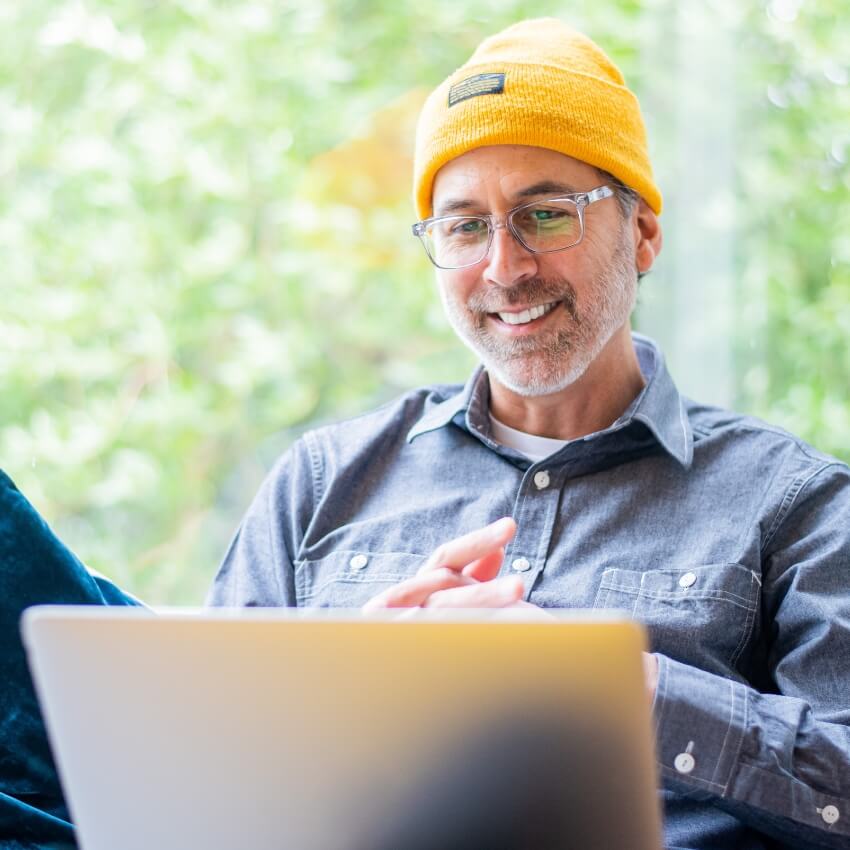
[647, 235]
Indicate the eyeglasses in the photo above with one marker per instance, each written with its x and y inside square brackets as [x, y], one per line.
[542, 227]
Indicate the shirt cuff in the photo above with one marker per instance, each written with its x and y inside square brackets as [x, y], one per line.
[700, 724]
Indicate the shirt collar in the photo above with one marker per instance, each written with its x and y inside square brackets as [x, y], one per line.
[474, 392]
[658, 406]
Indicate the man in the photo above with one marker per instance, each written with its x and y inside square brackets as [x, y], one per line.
[570, 473]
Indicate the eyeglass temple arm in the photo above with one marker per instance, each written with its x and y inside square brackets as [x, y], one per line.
[596, 194]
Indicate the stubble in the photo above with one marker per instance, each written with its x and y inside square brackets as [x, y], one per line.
[548, 361]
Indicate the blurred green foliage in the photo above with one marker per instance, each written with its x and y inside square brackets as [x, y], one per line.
[793, 258]
[204, 226]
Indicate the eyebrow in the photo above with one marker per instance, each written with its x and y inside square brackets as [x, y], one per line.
[544, 187]
[548, 187]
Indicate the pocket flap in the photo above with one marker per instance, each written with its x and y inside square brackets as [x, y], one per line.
[347, 578]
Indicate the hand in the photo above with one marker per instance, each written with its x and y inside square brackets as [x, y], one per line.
[460, 574]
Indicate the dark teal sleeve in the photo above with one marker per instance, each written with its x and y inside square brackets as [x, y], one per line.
[35, 568]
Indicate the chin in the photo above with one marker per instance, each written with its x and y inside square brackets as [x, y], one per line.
[538, 380]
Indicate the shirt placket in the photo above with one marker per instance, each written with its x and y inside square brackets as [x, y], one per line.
[535, 509]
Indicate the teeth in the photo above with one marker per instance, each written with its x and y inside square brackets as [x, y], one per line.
[526, 316]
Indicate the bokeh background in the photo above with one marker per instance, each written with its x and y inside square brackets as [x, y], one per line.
[205, 243]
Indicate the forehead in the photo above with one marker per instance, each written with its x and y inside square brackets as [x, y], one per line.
[503, 172]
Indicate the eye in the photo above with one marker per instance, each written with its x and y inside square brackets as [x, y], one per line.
[467, 227]
[543, 214]
[547, 218]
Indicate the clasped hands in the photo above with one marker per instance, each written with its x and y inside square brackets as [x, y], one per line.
[463, 574]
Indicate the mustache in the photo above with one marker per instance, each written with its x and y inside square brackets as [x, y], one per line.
[536, 290]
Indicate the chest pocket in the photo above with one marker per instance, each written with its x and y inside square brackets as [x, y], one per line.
[347, 579]
[703, 615]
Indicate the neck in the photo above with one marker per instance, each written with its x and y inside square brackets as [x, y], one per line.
[590, 404]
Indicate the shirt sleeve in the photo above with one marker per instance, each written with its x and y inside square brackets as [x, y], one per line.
[257, 569]
[780, 759]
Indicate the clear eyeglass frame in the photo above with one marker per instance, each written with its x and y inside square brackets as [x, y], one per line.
[581, 200]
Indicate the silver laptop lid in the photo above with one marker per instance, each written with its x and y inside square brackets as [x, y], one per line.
[323, 730]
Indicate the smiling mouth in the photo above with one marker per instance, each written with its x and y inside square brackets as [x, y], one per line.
[527, 316]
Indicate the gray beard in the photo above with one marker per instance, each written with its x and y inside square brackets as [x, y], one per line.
[533, 367]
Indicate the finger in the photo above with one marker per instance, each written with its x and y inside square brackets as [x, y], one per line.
[461, 551]
[491, 594]
[415, 591]
[486, 568]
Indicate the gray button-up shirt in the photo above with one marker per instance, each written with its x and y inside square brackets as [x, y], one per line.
[728, 538]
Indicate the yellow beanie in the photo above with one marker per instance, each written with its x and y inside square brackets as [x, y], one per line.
[538, 83]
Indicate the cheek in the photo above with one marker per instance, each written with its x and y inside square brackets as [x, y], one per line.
[579, 264]
[602, 245]
[455, 287]
[571, 265]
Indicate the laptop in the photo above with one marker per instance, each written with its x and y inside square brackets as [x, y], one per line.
[279, 729]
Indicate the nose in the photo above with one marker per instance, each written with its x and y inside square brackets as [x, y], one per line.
[508, 262]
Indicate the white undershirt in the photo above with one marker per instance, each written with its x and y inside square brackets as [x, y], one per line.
[533, 447]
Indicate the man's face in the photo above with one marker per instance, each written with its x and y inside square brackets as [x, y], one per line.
[586, 293]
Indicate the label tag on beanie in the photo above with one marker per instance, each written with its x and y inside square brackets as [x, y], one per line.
[477, 85]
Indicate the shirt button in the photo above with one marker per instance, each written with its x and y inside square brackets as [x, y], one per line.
[830, 814]
[541, 479]
[687, 580]
[684, 763]
[520, 565]
[358, 562]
